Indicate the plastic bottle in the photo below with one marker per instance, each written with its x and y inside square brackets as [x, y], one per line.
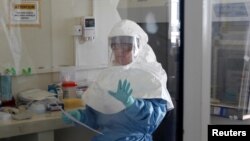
[6, 91]
[69, 89]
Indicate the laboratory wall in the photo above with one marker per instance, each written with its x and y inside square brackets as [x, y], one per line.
[26, 46]
[65, 14]
[94, 53]
[52, 46]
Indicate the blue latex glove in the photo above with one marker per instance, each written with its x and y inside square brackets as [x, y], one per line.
[76, 114]
[123, 93]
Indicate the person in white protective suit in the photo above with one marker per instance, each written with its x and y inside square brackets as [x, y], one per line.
[129, 99]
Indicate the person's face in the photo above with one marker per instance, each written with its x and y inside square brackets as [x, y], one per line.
[122, 53]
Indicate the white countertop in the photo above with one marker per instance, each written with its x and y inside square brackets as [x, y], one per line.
[38, 123]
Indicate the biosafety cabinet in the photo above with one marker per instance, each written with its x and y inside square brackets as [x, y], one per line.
[230, 59]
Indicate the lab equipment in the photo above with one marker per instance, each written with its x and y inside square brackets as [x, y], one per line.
[72, 103]
[69, 89]
[5, 88]
[68, 81]
[67, 74]
[88, 27]
[6, 97]
[230, 60]
[34, 95]
[37, 100]
[123, 93]
[37, 107]
[55, 107]
[56, 89]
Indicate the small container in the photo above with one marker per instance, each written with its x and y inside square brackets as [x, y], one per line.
[67, 74]
[6, 88]
[55, 88]
[69, 89]
[6, 91]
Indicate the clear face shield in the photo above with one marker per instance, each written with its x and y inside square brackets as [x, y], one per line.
[123, 50]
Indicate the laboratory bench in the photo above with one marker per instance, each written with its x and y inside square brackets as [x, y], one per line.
[42, 127]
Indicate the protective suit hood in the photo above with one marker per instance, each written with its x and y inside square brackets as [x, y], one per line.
[129, 28]
[147, 77]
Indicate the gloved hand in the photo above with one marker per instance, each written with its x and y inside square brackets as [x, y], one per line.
[123, 93]
[76, 114]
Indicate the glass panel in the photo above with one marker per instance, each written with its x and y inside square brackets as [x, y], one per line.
[160, 20]
[230, 59]
[24, 44]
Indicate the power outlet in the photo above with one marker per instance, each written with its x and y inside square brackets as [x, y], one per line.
[77, 30]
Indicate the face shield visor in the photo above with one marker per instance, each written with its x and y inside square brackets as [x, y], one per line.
[122, 49]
